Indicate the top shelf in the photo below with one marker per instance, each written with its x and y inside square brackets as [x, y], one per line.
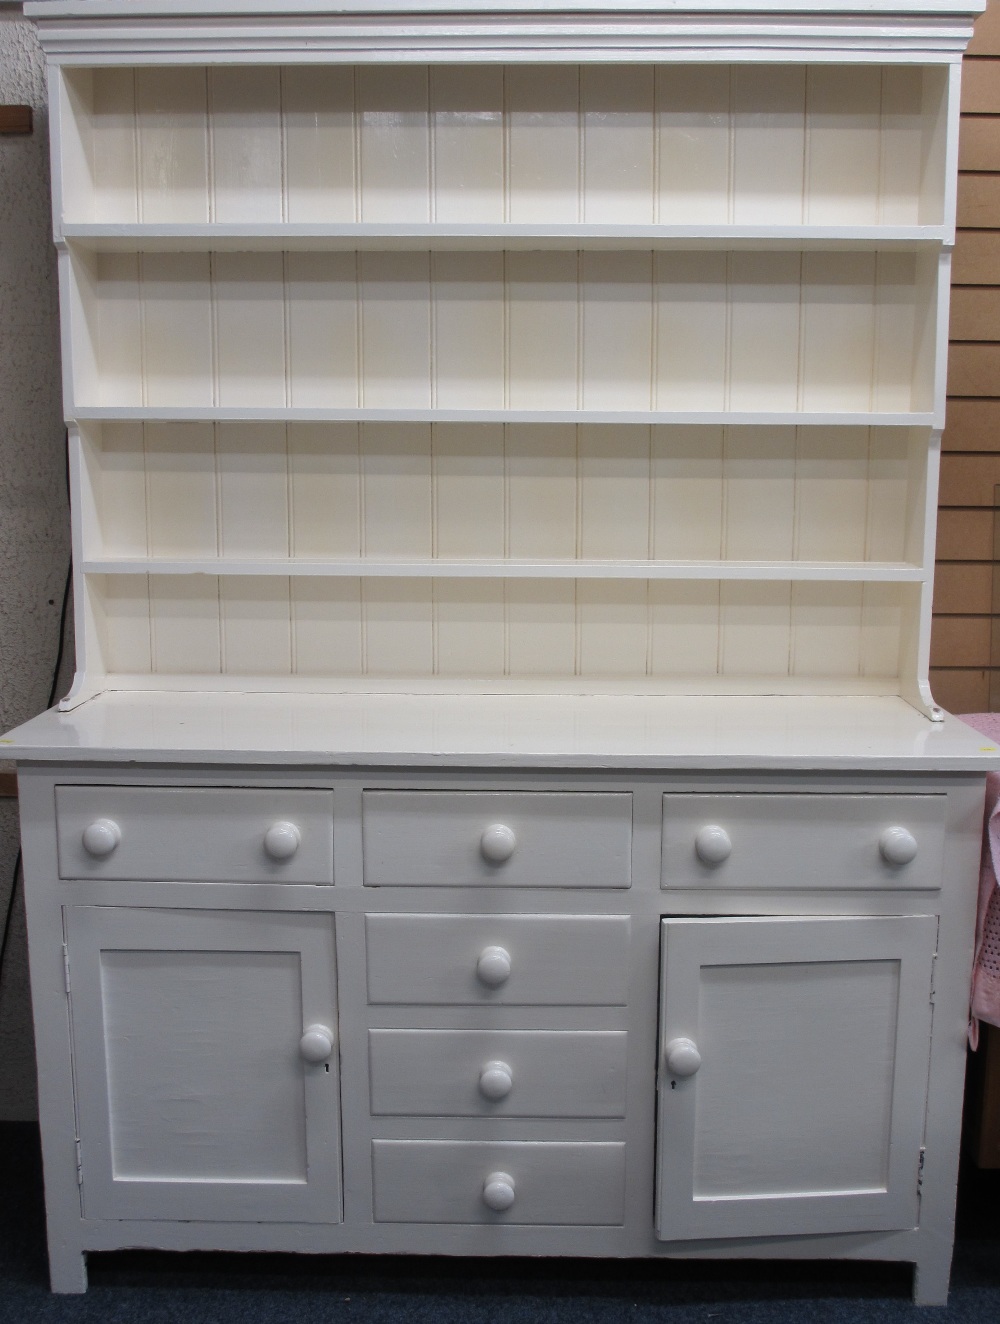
[166, 238]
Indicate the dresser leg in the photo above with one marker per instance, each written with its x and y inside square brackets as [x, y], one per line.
[67, 1268]
[931, 1275]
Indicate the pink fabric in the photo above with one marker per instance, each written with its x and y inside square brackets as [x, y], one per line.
[986, 969]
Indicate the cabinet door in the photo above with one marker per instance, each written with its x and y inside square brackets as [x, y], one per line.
[805, 1112]
[194, 1100]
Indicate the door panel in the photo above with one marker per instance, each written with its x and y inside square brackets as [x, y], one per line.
[193, 1098]
[806, 1111]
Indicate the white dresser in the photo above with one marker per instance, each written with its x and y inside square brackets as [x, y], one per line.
[500, 808]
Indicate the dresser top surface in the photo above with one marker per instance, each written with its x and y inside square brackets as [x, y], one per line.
[494, 730]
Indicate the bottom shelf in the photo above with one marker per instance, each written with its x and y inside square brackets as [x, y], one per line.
[554, 634]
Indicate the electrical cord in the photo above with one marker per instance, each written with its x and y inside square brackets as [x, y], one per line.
[18, 870]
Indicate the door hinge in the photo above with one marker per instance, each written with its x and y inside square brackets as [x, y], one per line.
[79, 1163]
[920, 1167]
[66, 967]
[933, 977]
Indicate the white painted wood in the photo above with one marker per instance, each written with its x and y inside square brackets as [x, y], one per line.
[806, 1030]
[216, 833]
[171, 107]
[440, 1182]
[246, 146]
[193, 1098]
[552, 1073]
[434, 838]
[828, 841]
[555, 960]
[502, 392]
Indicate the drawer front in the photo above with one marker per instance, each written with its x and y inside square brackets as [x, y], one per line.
[444, 1181]
[210, 834]
[768, 842]
[531, 839]
[475, 960]
[497, 1073]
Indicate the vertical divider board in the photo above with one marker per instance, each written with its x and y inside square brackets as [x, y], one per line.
[318, 542]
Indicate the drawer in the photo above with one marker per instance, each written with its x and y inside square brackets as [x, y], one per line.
[526, 960]
[445, 1181]
[187, 834]
[805, 841]
[509, 839]
[497, 1073]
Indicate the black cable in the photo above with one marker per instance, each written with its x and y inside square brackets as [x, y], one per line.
[60, 650]
[18, 871]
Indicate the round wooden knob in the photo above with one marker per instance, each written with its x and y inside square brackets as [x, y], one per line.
[282, 840]
[497, 843]
[712, 844]
[493, 966]
[498, 1191]
[101, 837]
[683, 1058]
[316, 1044]
[897, 845]
[495, 1080]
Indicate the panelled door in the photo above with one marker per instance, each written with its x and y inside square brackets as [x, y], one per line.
[792, 1074]
[204, 1088]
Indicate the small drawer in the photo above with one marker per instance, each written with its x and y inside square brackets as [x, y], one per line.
[497, 1073]
[508, 839]
[519, 960]
[835, 842]
[187, 834]
[446, 1181]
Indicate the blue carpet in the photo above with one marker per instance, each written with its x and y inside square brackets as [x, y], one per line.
[159, 1288]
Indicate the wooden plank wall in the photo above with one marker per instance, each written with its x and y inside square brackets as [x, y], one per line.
[965, 660]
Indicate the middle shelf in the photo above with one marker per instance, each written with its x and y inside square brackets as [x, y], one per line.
[641, 334]
[509, 500]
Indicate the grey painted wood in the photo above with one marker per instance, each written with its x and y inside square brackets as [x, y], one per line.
[194, 1101]
[192, 835]
[436, 838]
[572, 960]
[801, 842]
[448, 1073]
[442, 1182]
[806, 1113]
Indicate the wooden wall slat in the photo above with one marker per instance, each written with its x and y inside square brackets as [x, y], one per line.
[977, 258]
[979, 196]
[961, 690]
[981, 86]
[986, 33]
[975, 312]
[979, 143]
[974, 369]
[964, 535]
[961, 641]
[963, 589]
[972, 425]
[968, 480]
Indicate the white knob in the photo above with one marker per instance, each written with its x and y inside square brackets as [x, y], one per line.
[495, 1080]
[498, 1191]
[712, 844]
[683, 1058]
[101, 837]
[493, 966]
[282, 840]
[897, 845]
[316, 1044]
[497, 843]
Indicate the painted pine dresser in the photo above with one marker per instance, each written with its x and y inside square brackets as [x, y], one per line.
[501, 808]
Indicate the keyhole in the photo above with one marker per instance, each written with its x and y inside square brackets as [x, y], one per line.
[326, 1067]
[673, 1084]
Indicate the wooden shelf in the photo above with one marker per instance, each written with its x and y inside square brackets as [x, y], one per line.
[879, 572]
[155, 238]
[716, 417]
